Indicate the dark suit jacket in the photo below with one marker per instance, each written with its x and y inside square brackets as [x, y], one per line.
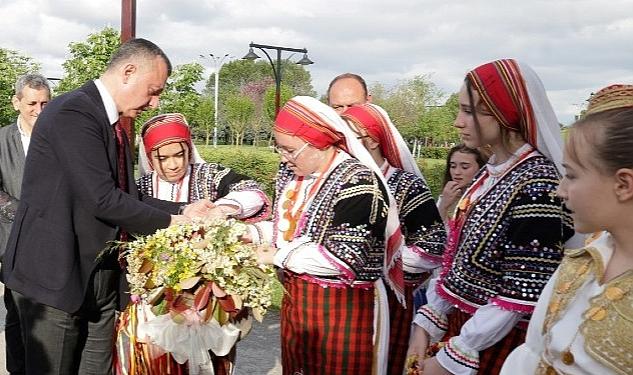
[70, 205]
[11, 168]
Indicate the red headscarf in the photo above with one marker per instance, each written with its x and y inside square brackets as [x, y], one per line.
[367, 117]
[165, 129]
[502, 88]
[297, 120]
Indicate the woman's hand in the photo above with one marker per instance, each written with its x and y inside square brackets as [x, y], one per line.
[433, 367]
[451, 193]
[265, 254]
[418, 343]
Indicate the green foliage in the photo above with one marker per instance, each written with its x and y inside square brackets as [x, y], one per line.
[259, 163]
[433, 171]
[285, 94]
[238, 111]
[12, 66]
[435, 152]
[88, 59]
[236, 74]
[415, 108]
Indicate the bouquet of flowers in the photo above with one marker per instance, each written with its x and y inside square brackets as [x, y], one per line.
[190, 286]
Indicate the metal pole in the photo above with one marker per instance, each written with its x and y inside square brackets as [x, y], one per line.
[128, 31]
[277, 69]
[215, 108]
[278, 84]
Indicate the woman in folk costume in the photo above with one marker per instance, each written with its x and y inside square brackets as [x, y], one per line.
[505, 240]
[336, 236]
[173, 170]
[583, 321]
[176, 172]
[420, 221]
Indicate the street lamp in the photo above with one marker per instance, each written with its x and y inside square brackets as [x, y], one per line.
[251, 55]
[217, 61]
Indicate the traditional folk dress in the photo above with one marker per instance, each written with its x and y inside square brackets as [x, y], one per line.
[504, 244]
[425, 238]
[581, 325]
[332, 263]
[420, 222]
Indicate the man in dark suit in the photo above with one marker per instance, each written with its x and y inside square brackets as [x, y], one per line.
[78, 194]
[32, 93]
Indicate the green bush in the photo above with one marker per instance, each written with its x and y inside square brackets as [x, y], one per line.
[261, 163]
[435, 152]
[433, 171]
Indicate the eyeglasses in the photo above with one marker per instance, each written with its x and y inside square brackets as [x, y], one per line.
[291, 155]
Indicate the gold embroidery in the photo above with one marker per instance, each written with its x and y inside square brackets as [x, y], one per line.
[607, 334]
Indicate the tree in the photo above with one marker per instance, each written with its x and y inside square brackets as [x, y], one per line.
[238, 111]
[12, 65]
[89, 59]
[407, 103]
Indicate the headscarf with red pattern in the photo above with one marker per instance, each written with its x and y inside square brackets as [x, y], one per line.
[376, 122]
[515, 96]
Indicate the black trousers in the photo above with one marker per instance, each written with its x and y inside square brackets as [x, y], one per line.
[14, 347]
[57, 342]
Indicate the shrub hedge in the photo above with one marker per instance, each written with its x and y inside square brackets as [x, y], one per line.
[261, 163]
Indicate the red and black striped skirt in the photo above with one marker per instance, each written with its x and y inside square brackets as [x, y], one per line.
[326, 330]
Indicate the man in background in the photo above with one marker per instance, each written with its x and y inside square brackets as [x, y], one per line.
[32, 93]
[347, 90]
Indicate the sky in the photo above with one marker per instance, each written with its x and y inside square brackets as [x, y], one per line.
[575, 46]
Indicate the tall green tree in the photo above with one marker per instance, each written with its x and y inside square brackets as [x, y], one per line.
[88, 59]
[238, 111]
[13, 64]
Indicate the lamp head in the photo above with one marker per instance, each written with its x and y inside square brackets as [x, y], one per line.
[251, 55]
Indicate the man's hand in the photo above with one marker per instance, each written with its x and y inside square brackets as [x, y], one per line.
[179, 219]
[198, 210]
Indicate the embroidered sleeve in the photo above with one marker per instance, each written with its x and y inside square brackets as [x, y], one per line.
[226, 183]
[423, 229]
[432, 316]
[537, 229]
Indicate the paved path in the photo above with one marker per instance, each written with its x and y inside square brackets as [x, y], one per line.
[258, 354]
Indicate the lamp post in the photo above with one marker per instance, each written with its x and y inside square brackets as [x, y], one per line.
[218, 61]
[251, 55]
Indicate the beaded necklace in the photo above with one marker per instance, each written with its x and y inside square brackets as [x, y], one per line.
[288, 223]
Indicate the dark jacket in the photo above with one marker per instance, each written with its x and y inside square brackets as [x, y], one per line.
[70, 205]
[11, 168]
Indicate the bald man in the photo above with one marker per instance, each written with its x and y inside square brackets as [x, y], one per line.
[347, 90]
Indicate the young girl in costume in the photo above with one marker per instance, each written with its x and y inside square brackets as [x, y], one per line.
[462, 164]
[172, 170]
[584, 318]
[505, 240]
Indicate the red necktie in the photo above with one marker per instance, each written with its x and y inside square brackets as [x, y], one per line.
[122, 179]
[120, 150]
